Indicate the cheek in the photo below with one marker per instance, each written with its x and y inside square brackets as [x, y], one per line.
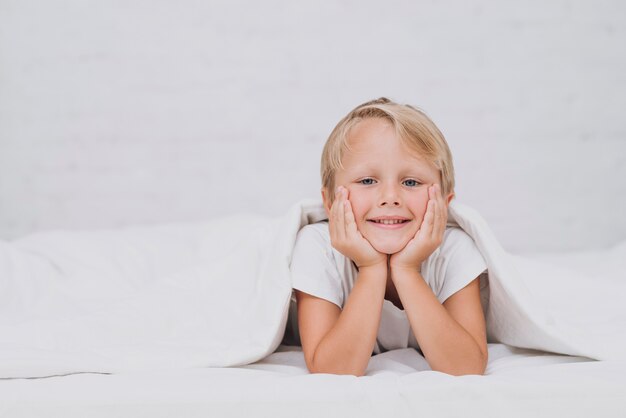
[418, 204]
[359, 205]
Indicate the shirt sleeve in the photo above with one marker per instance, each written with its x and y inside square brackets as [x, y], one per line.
[313, 268]
[460, 262]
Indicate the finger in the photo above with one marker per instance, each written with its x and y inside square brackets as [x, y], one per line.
[334, 215]
[351, 228]
[438, 195]
[431, 198]
[440, 214]
[427, 224]
[341, 222]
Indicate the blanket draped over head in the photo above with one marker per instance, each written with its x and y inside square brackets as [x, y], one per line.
[216, 294]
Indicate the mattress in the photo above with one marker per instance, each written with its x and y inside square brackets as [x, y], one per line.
[517, 381]
[399, 383]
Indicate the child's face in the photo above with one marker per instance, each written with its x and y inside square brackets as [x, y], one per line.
[384, 179]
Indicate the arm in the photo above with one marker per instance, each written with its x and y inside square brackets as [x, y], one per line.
[452, 336]
[336, 341]
[341, 341]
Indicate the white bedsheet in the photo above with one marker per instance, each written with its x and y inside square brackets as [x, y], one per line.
[217, 294]
[518, 383]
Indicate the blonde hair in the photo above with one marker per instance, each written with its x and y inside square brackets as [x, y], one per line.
[413, 127]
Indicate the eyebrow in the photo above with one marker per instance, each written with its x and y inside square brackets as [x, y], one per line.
[365, 170]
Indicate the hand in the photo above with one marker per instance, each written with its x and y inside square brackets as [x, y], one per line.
[346, 238]
[427, 238]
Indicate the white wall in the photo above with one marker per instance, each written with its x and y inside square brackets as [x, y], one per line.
[124, 112]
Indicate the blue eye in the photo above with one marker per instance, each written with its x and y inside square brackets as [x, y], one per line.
[367, 181]
[411, 183]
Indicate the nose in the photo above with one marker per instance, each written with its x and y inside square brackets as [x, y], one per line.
[390, 196]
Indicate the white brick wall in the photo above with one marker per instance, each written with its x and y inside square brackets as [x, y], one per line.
[116, 113]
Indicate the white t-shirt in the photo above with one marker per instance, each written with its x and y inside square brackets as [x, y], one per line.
[320, 270]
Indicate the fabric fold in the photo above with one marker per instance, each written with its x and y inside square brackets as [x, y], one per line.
[216, 294]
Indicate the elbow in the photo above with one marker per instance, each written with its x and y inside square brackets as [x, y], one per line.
[470, 368]
[316, 367]
[357, 373]
[329, 369]
[465, 371]
[484, 359]
[478, 371]
[477, 367]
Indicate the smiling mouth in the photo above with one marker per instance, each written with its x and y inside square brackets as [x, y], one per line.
[389, 223]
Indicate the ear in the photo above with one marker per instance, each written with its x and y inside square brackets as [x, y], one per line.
[326, 200]
[449, 198]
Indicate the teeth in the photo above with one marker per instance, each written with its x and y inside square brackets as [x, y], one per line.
[389, 221]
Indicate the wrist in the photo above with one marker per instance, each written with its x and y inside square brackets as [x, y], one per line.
[403, 262]
[404, 266]
[377, 267]
[404, 270]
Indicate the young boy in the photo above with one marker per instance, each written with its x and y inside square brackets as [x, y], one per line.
[384, 272]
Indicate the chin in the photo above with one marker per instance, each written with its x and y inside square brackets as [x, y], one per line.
[388, 242]
[389, 247]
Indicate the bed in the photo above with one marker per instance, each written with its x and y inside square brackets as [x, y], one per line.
[518, 382]
[49, 372]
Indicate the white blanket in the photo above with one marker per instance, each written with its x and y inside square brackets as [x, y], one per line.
[217, 294]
